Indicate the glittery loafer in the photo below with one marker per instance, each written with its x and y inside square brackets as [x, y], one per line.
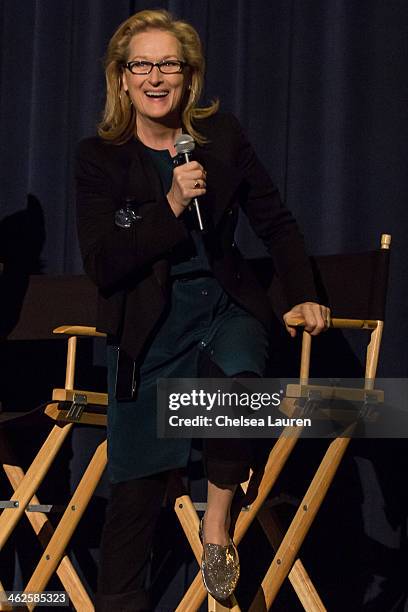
[219, 568]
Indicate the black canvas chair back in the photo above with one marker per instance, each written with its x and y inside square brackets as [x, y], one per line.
[32, 309]
[353, 285]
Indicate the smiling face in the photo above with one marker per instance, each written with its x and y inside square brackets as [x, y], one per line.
[156, 97]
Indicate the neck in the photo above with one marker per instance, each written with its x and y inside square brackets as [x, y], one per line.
[158, 135]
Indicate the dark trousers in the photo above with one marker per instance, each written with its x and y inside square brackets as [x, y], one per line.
[132, 513]
[131, 517]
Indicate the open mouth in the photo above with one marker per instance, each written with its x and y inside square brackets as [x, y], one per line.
[157, 94]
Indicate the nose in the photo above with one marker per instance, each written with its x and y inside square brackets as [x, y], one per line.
[155, 76]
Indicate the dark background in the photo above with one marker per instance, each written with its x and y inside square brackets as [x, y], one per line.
[321, 88]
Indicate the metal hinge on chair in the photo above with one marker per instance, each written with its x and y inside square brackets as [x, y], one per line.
[313, 401]
[46, 508]
[202, 507]
[369, 410]
[9, 503]
[78, 405]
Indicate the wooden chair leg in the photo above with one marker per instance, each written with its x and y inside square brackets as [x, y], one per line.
[70, 519]
[298, 576]
[299, 527]
[44, 530]
[33, 478]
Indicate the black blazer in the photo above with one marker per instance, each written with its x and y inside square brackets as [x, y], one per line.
[131, 266]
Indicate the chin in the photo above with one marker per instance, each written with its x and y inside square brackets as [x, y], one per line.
[163, 115]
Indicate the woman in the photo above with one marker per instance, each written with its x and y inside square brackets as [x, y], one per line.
[174, 302]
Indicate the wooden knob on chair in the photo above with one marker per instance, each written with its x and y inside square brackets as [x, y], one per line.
[385, 241]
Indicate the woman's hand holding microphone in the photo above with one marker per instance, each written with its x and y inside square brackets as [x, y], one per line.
[189, 181]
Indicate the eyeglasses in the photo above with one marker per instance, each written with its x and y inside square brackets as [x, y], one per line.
[166, 66]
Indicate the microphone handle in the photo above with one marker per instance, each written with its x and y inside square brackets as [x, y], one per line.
[195, 201]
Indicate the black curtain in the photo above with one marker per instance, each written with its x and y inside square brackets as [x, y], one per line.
[319, 85]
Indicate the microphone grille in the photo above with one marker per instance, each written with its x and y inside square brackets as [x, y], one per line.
[184, 144]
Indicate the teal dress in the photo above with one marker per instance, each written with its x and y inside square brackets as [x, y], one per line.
[200, 317]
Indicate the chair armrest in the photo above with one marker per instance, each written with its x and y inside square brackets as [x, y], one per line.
[79, 330]
[338, 323]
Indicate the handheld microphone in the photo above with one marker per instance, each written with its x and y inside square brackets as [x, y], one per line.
[184, 145]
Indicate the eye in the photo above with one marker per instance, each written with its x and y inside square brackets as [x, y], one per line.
[171, 66]
[140, 66]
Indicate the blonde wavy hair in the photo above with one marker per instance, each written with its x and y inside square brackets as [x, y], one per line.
[119, 118]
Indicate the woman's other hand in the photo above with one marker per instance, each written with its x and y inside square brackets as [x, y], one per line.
[315, 316]
[189, 181]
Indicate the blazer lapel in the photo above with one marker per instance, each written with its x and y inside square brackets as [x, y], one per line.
[144, 180]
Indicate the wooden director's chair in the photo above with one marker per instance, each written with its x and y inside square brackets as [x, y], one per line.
[71, 406]
[36, 306]
[355, 287]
